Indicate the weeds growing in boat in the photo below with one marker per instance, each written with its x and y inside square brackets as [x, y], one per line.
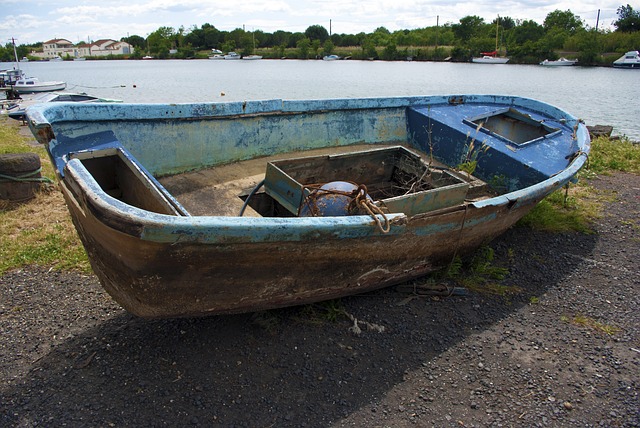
[469, 160]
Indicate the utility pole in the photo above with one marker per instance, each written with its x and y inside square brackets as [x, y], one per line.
[329, 28]
[597, 20]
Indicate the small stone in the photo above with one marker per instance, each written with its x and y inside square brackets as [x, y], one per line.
[567, 405]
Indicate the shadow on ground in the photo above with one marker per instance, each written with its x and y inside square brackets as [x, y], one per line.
[289, 367]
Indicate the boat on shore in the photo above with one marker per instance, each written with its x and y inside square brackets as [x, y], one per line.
[630, 59]
[216, 208]
[561, 62]
[330, 57]
[252, 57]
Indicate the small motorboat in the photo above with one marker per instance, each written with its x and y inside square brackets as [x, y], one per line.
[331, 58]
[559, 62]
[33, 84]
[212, 208]
[18, 111]
[232, 55]
[252, 57]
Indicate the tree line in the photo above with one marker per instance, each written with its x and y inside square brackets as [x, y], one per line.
[524, 41]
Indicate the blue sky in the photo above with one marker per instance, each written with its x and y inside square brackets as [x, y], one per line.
[33, 21]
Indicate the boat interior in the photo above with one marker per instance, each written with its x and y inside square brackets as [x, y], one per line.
[409, 177]
[398, 179]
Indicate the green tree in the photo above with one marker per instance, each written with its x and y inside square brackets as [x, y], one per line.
[528, 30]
[137, 42]
[564, 20]
[369, 48]
[280, 38]
[317, 32]
[294, 38]
[628, 19]
[212, 37]
[328, 47]
[160, 41]
[469, 27]
[381, 36]
[390, 52]
[303, 45]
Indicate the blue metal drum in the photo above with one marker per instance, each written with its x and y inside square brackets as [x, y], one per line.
[331, 199]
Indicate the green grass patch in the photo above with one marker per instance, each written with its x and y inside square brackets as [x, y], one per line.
[608, 155]
[593, 324]
[574, 209]
[39, 231]
[478, 274]
[566, 210]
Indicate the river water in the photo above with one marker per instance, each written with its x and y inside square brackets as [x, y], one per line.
[599, 96]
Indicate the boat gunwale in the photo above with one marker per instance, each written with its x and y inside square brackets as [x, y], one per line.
[207, 110]
[274, 228]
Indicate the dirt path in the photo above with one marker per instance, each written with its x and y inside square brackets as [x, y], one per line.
[536, 357]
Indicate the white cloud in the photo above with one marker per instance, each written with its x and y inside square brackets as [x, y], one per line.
[33, 21]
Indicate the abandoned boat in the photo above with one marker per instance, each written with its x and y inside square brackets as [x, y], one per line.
[212, 208]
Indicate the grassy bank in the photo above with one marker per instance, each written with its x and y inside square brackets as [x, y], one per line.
[40, 231]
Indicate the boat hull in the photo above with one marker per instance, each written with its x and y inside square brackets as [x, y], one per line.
[490, 60]
[157, 260]
[629, 60]
[40, 87]
[559, 63]
[153, 280]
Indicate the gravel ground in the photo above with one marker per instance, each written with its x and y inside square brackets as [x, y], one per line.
[561, 349]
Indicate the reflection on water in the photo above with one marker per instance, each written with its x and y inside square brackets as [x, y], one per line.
[604, 96]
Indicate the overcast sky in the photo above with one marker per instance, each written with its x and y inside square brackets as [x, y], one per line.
[37, 21]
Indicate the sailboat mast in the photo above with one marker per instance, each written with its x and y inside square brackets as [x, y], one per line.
[15, 53]
[497, 26]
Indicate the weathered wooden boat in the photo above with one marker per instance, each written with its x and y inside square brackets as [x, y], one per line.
[197, 209]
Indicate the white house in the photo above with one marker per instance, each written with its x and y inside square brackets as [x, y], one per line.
[56, 48]
[62, 47]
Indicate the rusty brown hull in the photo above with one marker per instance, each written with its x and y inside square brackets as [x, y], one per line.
[156, 280]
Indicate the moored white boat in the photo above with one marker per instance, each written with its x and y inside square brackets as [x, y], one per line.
[559, 62]
[33, 84]
[629, 60]
[232, 56]
[252, 57]
[488, 59]
[18, 112]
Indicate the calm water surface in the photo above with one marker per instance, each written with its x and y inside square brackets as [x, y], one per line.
[603, 96]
